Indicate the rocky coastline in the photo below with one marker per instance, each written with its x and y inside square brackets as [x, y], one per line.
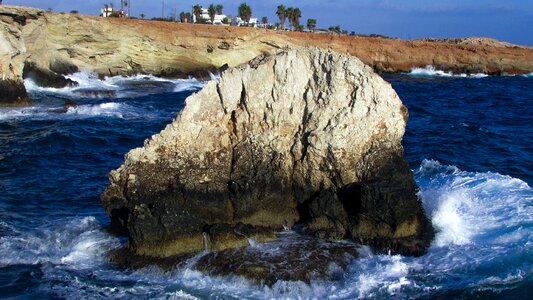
[44, 45]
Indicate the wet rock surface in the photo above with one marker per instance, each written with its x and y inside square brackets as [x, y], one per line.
[46, 78]
[13, 93]
[291, 257]
[303, 136]
[294, 257]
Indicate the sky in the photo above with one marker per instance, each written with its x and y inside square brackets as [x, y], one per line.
[505, 20]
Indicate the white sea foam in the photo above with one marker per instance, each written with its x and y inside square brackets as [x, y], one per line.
[188, 85]
[469, 207]
[89, 85]
[10, 113]
[432, 71]
[107, 109]
[76, 242]
[112, 109]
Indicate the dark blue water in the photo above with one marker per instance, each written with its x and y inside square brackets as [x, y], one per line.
[468, 141]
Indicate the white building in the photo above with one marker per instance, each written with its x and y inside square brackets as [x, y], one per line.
[205, 16]
[237, 21]
[106, 11]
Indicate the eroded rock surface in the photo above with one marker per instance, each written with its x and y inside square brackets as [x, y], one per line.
[304, 136]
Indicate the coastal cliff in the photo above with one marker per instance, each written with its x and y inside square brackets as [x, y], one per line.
[317, 143]
[47, 45]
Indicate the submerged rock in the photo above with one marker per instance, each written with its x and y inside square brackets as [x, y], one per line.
[69, 103]
[46, 78]
[292, 258]
[302, 136]
[95, 93]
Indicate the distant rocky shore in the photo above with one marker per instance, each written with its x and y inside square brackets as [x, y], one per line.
[43, 45]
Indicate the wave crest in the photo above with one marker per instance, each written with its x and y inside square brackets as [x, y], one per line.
[432, 71]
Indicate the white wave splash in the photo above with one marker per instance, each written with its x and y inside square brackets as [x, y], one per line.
[110, 109]
[106, 109]
[432, 71]
[187, 85]
[80, 243]
[469, 207]
[89, 85]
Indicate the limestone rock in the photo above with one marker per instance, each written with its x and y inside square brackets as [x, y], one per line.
[303, 136]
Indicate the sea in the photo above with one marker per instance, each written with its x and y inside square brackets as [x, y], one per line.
[469, 141]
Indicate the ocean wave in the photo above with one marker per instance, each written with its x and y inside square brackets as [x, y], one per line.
[28, 112]
[109, 109]
[188, 85]
[91, 86]
[80, 243]
[106, 109]
[432, 71]
[469, 207]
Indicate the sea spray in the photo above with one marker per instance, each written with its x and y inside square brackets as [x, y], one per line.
[432, 71]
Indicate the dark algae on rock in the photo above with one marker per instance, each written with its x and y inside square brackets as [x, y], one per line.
[304, 136]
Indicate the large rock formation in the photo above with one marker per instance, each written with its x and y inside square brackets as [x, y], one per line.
[25, 52]
[58, 43]
[13, 55]
[304, 136]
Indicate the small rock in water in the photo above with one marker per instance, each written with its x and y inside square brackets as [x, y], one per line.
[94, 93]
[69, 104]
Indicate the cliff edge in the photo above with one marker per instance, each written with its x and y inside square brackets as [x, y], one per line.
[303, 136]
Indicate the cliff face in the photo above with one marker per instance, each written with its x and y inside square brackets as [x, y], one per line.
[317, 142]
[110, 46]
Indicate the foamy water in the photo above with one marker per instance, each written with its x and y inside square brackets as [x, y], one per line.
[432, 71]
[91, 89]
[89, 85]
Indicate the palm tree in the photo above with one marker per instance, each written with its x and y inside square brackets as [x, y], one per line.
[219, 8]
[185, 17]
[311, 24]
[197, 12]
[335, 29]
[289, 12]
[212, 12]
[245, 12]
[264, 20]
[296, 15]
[282, 15]
[142, 15]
